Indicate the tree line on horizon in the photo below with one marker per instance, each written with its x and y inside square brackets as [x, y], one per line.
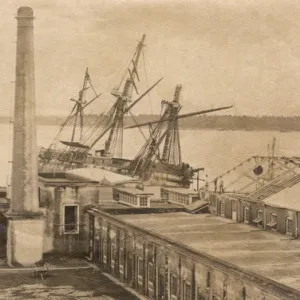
[220, 122]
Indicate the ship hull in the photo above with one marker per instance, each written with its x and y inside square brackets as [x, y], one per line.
[161, 174]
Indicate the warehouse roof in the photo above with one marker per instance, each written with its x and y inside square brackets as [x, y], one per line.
[180, 190]
[133, 191]
[274, 256]
[288, 198]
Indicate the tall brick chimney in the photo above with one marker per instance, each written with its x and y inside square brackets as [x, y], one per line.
[25, 222]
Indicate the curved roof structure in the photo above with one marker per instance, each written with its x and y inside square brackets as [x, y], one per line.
[103, 176]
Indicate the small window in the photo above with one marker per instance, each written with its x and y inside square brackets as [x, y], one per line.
[274, 218]
[273, 221]
[71, 219]
[174, 286]
[259, 217]
[143, 201]
[289, 226]
[246, 214]
[187, 291]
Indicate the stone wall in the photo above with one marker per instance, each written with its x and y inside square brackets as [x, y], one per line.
[25, 241]
[52, 202]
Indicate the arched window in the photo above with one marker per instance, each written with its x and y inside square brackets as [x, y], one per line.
[244, 293]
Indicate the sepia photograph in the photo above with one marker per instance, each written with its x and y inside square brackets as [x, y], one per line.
[150, 149]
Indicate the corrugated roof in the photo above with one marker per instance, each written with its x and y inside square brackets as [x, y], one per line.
[288, 198]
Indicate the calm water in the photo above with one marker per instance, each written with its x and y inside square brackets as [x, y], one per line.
[216, 151]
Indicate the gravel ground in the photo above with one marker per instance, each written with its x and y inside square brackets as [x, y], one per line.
[66, 285]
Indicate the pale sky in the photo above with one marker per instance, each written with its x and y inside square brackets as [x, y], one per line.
[223, 52]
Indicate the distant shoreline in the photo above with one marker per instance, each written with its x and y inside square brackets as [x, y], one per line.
[220, 123]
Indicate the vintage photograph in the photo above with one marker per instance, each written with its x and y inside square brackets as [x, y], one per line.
[150, 149]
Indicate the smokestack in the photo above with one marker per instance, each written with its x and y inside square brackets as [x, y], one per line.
[24, 186]
[25, 226]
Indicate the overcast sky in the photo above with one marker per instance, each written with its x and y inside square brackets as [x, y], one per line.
[223, 52]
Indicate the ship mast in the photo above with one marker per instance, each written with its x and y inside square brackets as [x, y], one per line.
[116, 131]
[111, 122]
[271, 158]
[78, 107]
[172, 150]
[167, 131]
[77, 111]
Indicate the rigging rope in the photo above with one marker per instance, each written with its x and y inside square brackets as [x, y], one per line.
[90, 132]
[122, 70]
[91, 135]
[146, 75]
[117, 134]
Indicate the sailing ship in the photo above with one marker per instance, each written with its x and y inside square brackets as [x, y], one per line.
[149, 165]
[75, 120]
[76, 152]
[166, 168]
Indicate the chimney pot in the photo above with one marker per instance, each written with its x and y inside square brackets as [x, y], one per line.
[25, 11]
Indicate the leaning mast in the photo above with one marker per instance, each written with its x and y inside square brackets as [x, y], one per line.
[167, 131]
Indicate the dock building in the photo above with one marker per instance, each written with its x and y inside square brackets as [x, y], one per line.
[186, 245]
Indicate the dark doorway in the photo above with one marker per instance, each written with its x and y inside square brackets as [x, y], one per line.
[129, 269]
[161, 285]
[3, 235]
[97, 251]
[71, 216]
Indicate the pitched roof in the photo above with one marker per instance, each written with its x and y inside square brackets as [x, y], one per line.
[288, 198]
